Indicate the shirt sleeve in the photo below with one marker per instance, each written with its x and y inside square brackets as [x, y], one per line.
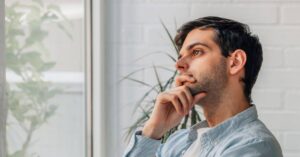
[255, 148]
[141, 146]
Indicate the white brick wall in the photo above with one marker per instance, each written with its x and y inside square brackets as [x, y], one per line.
[277, 23]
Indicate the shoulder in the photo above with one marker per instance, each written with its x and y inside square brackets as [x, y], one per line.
[255, 139]
[254, 147]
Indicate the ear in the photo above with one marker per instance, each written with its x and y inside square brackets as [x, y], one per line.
[237, 61]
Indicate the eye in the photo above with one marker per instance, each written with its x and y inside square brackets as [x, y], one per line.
[197, 52]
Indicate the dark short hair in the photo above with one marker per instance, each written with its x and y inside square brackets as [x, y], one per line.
[230, 35]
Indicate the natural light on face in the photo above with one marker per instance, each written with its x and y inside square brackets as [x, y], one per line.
[45, 76]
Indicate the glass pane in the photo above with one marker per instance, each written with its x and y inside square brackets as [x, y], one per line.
[45, 78]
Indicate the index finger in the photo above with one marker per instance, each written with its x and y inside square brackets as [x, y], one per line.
[181, 79]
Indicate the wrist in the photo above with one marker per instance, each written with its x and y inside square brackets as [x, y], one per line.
[153, 132]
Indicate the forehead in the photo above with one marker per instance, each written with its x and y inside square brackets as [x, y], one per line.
[205, 36]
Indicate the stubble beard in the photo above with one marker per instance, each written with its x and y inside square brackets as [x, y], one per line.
[213, 83]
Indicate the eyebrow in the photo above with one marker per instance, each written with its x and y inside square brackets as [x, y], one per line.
[188, 48]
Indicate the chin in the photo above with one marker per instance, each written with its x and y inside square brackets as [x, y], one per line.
[195, 89]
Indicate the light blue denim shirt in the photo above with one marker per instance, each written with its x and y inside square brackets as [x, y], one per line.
[243, 135]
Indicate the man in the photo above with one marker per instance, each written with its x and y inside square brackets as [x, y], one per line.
[218, 64]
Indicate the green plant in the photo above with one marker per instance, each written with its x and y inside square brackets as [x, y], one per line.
[147, 101]
[26, 57]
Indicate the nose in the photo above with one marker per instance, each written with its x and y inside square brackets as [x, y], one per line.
[181, 65]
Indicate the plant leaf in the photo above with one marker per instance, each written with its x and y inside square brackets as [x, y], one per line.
[158, 79]
[144, 97]
[153, 53]
[170, 37]
[138, 81]
[141, 69]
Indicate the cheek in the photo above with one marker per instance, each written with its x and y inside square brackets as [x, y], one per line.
[200, 65]
[199, 70]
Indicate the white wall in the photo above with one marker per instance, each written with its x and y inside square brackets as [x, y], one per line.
[277, 24]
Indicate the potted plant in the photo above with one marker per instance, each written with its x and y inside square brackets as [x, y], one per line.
[147, 106]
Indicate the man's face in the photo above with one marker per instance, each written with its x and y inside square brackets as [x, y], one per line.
[200, 57]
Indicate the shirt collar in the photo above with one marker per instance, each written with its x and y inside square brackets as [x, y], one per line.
[216, 133]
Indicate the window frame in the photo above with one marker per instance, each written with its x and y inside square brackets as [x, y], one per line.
[102, 129]
[3, 103]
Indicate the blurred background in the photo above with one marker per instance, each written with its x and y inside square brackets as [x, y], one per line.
[62, 55]
[44, 43]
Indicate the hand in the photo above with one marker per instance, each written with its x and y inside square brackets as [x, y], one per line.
[170, 107]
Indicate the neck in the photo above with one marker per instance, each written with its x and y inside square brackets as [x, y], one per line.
[228, 106]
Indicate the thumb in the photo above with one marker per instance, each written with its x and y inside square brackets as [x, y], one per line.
[198, 97]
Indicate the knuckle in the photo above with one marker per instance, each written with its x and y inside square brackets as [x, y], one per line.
[174, 97]
[181, 92]
[185, 87]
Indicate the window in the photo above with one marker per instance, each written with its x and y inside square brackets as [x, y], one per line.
[46, 78]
